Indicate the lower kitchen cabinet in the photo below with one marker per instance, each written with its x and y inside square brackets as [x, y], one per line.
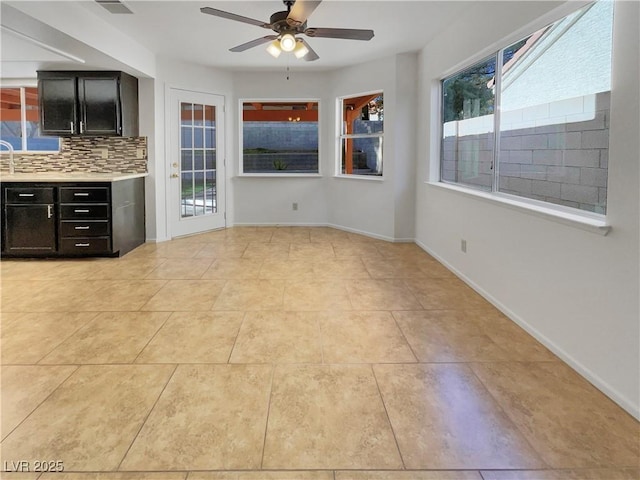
[72, 219]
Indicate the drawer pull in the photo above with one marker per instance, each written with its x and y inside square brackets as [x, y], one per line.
[83, 194]
[26, 194]
[49, 211]
[82, 227]
[83, 244]
[81, 210]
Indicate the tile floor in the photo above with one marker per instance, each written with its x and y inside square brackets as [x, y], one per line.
[286, 353]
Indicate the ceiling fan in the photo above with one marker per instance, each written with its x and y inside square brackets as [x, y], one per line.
[287, 24]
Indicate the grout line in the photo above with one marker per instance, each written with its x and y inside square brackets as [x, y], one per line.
[404, 466]
[91, 319]
[235, 340]
[266, 424]
[405, 337]
[153, 336]
[147, 417]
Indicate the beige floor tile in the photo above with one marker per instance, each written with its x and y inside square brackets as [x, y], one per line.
[263, 475]
[24, 388]
[381, 295]
[443, 418]
[222, 250]
[363, 337]
[411, 475]
[445, 294]
[180, 269]
[173, 249]
[19, 475]
[568, 421]
[291, 235]
[584, 474]
[284, 269]
[216, 414]
[111, 337]
[24, 269]
[322, 235]
[340, 268]
[311, 251]
[90, 421]
[251, 295]
[328, 417]
[317, 295]
[278, 337]
[48, 269]
[115, 476]
[194, 337]
[357, 238]
[28, 337]
[346, 248]
[264, 251]
[392, 268]
[400, 250]
[127, 268]
[229, 268]
[514, 340]
[117, 295]
[447, 336]
[186, 295]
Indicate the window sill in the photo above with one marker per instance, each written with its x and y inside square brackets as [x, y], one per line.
[593, 223]
[280, 175]
[371, 178]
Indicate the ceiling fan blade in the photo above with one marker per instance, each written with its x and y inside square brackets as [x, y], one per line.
[301, 11]
[346, 33]
[232, 16]
[312, 55]
[253, 43]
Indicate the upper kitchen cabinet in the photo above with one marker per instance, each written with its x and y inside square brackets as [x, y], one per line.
[88, 103]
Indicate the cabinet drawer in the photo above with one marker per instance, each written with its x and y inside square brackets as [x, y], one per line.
[89, 228]
[84, 194]
[85, 245]
[70, 212]
[29, 195]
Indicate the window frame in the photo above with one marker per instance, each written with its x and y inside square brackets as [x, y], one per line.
[22, 86]
[340, 135]
[241, 102]
[584, 219]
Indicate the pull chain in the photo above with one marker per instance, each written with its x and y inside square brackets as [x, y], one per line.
[288, 58]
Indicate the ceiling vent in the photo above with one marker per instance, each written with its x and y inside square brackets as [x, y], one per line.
[114, 6]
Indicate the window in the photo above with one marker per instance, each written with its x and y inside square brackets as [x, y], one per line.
[279, 137]
[361, 133]
[533, 119]
[19, 121]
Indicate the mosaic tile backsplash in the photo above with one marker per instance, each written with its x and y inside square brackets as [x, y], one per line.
[85, 154]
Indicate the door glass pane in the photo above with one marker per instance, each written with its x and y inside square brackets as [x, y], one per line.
[198, 164]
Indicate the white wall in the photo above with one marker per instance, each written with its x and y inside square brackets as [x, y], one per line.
[575, 290]
[174, 74]
[268, 200]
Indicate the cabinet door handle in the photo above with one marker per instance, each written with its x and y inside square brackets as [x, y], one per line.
[82, 227]
[49, 211]
[81, 210]
[26, 194]
[81, 127]
[72, 127]
[83, 244]
[80, 194]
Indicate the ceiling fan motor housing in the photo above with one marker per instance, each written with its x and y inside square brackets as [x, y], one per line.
[278, 22]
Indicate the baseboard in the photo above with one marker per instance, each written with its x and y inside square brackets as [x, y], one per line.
[591, 377]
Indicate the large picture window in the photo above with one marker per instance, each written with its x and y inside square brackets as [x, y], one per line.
[532, 120]
[19, 121]
[361, 134]
[279, 137]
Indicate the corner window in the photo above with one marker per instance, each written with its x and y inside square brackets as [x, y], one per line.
[19, 121]
[279, 137]
[361, 134]
[532, 120]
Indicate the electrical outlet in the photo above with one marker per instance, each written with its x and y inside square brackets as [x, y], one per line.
[294, 206]
[141, 153]
[102, 152]
[463, 245]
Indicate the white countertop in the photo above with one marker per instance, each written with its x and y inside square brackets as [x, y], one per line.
[69, 177]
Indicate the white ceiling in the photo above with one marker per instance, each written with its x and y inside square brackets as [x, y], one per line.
[178, 29]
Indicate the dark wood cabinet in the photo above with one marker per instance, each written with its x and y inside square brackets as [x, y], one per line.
[73, 219]
[88, 103]
[30, 220]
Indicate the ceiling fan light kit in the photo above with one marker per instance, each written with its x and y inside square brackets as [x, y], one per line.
[287, 25]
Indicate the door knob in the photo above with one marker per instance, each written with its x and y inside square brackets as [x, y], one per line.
[174, 164]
